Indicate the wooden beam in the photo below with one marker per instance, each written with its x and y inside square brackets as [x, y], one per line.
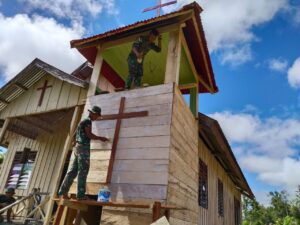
[3, 129]
[187, 86]
[21, 131]
[4, 101]
[191, 62]
[132, 35]
[75, 119]
[173, 58]
[36, 124]
[114, 43]
[111, 204]
[73, 205]
[124, 115]
[194, 101]
[115, 142]
[156, 211]
[20, 86]
[202, 49]
[95, 74]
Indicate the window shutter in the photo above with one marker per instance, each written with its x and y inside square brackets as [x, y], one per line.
[21, 169]
[220, 198]
[203, 185]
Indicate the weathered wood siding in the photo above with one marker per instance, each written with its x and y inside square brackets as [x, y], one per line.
[48, 148]
[105, 85]
[183, 168]
[141, 166]
[61, 95]
[215, 171]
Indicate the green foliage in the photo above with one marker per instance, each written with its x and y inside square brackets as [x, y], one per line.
[281, 211]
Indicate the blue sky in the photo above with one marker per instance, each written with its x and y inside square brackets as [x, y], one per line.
[255, 51]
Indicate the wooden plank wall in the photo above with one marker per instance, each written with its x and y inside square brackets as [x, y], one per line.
[61, 95]
[48, 153]
[215, 171]
[183, 168]
[141, 165]
[48, 148]
[105, 85]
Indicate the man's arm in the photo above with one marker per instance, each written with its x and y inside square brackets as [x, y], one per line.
[157, 47]
[138, 54]
[88, 131]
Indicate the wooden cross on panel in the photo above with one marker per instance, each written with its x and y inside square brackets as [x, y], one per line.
[121, 115]
[159, 6]
[44, 88]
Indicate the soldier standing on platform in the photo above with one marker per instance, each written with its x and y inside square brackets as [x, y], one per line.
[136, 57]
[81, 163]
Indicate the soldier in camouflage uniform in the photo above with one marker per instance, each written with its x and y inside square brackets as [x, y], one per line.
[81, 163]
[136, 57]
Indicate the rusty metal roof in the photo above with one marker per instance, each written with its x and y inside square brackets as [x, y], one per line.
[78, 42]
[87, 46]
[29, 76]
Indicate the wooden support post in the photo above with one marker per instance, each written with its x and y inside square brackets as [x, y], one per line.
[74, 122]
[167, 214]
[95, 74]
[156, 211]
[173, 58]
[59, 214]
[194, 101]
[3, 129]
[78, 218]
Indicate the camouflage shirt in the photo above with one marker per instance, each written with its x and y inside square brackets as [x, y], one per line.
[81, 137]
[142, 44]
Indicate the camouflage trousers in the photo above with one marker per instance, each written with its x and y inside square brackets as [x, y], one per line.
[80, 167]
[135, 70]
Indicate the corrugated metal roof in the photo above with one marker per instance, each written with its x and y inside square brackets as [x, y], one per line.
[210, 131]
[201, 59]
[76, 43]
[29, 76]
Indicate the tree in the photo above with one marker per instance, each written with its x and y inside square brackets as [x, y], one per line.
[281, 211]
[280, 204]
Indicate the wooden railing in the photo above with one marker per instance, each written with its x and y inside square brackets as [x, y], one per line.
[29, 208]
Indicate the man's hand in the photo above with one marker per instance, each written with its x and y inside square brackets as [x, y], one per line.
[104, 139]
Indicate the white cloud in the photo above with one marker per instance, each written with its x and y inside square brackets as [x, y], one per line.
[278, 64]
[229, 24]
[23, 38]
[73, 9]
[273, 135]
[268, 147]
[236, 56]
[294, 74]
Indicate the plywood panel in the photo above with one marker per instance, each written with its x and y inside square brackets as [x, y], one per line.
[143, 145]
[55, 94]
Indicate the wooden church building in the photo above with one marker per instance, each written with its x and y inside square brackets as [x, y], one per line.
[162, 149]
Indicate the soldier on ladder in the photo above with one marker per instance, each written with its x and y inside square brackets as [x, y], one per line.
[81, 163]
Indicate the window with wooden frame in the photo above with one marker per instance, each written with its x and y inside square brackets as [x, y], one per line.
[220, 198]
[237, 212]
[203, 185]
[21, 169]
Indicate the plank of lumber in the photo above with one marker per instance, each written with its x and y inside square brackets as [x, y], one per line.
[173, 58]
[118, 204]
